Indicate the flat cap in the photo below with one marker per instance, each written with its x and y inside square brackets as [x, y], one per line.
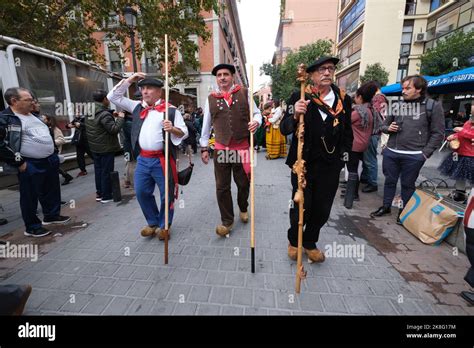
[218, 67]
[320, 61]
[150, 82]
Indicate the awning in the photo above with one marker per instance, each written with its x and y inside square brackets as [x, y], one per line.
[453, 82]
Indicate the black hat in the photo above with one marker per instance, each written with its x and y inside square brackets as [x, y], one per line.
[150, 82]
[320, 61]
[223, 66]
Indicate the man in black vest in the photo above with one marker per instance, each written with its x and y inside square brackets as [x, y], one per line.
[147, 138]
[327, 141]
[228, 110]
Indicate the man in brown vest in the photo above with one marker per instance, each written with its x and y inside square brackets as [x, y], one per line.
[228, 109]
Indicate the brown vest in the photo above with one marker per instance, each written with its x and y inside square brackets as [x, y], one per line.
[230, 122]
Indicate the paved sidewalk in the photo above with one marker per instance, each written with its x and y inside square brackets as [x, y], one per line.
[107, 268]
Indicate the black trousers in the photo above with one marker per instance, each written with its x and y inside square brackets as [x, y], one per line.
[470, 255]
[40, 182]
[322, 181]
[354, 159]
[81, 150]
[103, 166]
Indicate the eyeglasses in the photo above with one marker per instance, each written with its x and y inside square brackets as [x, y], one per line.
[30, 100]
[330, 68]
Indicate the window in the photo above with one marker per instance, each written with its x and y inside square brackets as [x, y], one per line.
[447, 23]
[115, 61]
[113, 21]
[405, 50]
[401, 73]
[192, 91]
[350, 52]
[150, 65]
[352, 19]
[349, 81]
[464, 18]
[436, 4]
[410, 7]
[194, 39]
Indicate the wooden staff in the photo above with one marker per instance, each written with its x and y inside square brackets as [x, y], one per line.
[252, 182]
[299, 169]
[167, 135]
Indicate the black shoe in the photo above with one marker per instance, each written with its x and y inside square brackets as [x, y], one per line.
[37, 232]
[3, 222]
[468, 296]
[459, 196]
[364, 181]
[56, 220]
[369, 188]
[67, 180]
[381, 211]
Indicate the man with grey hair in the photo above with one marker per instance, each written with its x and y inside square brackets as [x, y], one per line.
[27, 144]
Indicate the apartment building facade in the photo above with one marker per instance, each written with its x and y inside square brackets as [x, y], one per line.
[303, 22]
[394, 33]
[224, 46]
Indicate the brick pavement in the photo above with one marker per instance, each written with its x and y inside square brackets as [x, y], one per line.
[107, 268]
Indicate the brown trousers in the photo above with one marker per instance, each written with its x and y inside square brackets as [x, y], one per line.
[223, 172]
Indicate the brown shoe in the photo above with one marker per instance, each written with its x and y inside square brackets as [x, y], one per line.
[161, 233]
[292, 252]
[26, 289]
[223, 231]
[148, 231]
[244, 217]
[315, 255]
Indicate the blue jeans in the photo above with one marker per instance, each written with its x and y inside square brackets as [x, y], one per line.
[103, 166]
[148, 174]
[403, 166]
[370, 165]
[40, 182]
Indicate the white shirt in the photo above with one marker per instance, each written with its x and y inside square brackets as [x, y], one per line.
[36, 140]
[276, 115]
[206, 122]
[329, 100]
[151, 133]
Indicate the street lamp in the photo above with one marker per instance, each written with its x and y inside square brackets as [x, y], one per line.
[131, 20]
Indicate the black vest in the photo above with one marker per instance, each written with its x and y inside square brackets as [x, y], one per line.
[137, 124]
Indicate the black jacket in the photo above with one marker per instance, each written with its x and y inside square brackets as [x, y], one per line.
[103, 129]
[322, 141]
[10, 138]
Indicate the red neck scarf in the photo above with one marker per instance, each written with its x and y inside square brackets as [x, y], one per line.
[161, 107]
[226, 95]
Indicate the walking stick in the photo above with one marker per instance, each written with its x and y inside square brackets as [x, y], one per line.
[252, 182]
[300, 170]
[167, 135]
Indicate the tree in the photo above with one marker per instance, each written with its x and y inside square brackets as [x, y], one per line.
[284, 76]
[67, 26]
[451, 53]
[375, 72]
